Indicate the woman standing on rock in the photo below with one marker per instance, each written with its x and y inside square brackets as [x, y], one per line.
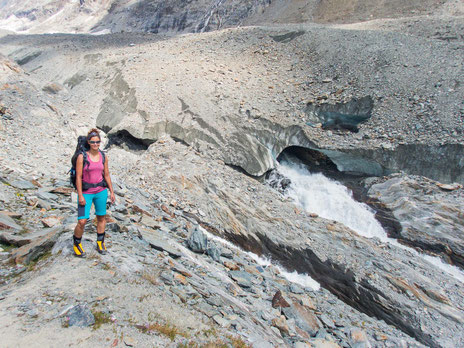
[92, 179]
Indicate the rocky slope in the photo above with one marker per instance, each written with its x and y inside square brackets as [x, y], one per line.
[191, 122]
[151, 289]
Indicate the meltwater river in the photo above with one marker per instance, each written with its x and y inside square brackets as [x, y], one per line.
[318, 194]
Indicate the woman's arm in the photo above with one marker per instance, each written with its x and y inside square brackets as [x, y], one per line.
[108, 180]
[79, 169]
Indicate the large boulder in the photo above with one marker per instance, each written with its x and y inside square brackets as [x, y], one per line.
[37, 247]
[197, 241]
[7, 223]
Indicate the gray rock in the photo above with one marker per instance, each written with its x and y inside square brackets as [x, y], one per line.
[37, 247]
[156, 242]
[27, 57]
[304, 318]
[179, 293]
[214, 251]
[227, 253]
[52, 88]
[206, 309]
[322, 333]
[7, 222]
[266, 316]
[113, 227]
[22, 184]
[118, 216]
[6, 197]
[69, 220]
[167, 228]
[327, 321]
[140, 207]
[149, 222]
[197, 241]
[4, 255]
[358, 339]
[296, 289]
[46, 196]
[236, 325]
[329, 343]
[121, 208]
[432, 222]
[44, 204]
[242, 278]
[33, 313]
[214, 301]
[80, 316]
[23, 238]
[167, 277]
[221, 321]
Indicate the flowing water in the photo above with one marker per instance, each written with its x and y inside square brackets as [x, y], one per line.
[294, 277]
[318, 194]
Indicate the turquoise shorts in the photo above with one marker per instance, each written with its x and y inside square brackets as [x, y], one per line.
[98, 199]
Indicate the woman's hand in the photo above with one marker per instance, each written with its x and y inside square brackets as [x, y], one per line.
[112, 198]
[81, 200]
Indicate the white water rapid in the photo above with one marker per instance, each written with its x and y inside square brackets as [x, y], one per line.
[318, 194]
[294, 277]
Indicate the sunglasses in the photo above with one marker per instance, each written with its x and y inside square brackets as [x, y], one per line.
[94, 142]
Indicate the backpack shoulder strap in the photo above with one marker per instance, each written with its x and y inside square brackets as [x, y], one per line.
[85, 157]
[103, 156]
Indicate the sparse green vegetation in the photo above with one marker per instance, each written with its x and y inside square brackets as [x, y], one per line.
[100, 319]
[152, 277]
[143, 297]
[211, 332]
[7, 247]
[131, 320]
[167, 330]
[188, 345]
[238, 342]
[215, 342]
[42, 258]
[218, 343]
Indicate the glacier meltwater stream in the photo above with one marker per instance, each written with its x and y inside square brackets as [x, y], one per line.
[318, 194]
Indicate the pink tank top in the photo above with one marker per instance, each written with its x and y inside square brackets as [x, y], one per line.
[93, 174]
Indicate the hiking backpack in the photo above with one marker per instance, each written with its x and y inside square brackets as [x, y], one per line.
[82, 148]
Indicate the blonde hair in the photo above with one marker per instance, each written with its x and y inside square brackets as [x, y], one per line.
[93, 133]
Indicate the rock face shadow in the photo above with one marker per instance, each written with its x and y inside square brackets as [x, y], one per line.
[341, 115]
[284, 38]
[125, 140]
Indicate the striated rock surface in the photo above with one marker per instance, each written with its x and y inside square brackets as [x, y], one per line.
[430, 214]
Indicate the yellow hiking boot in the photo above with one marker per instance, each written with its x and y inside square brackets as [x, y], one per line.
[101, 248]
[79, 250]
